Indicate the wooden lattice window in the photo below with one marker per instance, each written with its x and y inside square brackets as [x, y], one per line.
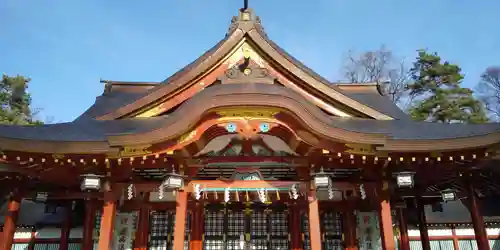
[225, 228]
[331, 227]
[161, 230]
[279, 230]
[48, 246]
[97, 228]
[306, 243]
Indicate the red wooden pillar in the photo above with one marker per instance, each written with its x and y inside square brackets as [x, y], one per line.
[9, 226]
[477, 219]
[180, 220]
[107, 222]
[403, 228]
[314, 223]
[385, 217]
[350, 226]
[197, 224]
[66, 228]
[88, 225]
[142, 233]
[422, 225]
[295, 228]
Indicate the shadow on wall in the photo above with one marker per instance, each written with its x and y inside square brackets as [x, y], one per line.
[33, 213]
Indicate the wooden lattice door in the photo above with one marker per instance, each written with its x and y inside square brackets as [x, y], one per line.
[161, 230]
[331, 228]
[253, 228]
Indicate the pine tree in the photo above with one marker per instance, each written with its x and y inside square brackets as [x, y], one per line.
[438, 94]
[15, 102]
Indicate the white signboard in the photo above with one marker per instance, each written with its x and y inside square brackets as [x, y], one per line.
[369, 232]
[125, 225]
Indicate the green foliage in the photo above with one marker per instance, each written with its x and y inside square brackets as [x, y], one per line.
[439, 97]
[15, 102]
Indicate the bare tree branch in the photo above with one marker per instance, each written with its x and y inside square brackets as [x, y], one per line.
[379, 66]
[488, 91]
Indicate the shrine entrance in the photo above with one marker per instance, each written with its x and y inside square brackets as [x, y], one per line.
[239, 226]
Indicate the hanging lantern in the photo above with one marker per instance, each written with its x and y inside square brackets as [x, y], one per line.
[448, 195]
[173, 181]
[405, 179]
[41, 196]
[91, 182]
[321, 180]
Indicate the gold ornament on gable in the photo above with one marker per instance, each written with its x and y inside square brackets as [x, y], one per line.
[362, 149]
[248, 113]
[129, 151]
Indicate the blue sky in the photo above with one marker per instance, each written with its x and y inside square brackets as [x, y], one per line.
[66, 47]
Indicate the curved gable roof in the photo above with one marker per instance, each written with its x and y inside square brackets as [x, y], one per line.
[246, 25]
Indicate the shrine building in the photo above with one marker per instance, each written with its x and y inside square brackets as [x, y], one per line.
[247, 148]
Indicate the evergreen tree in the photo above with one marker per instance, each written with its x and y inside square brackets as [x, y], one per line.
[15, 102]
[438, 94]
